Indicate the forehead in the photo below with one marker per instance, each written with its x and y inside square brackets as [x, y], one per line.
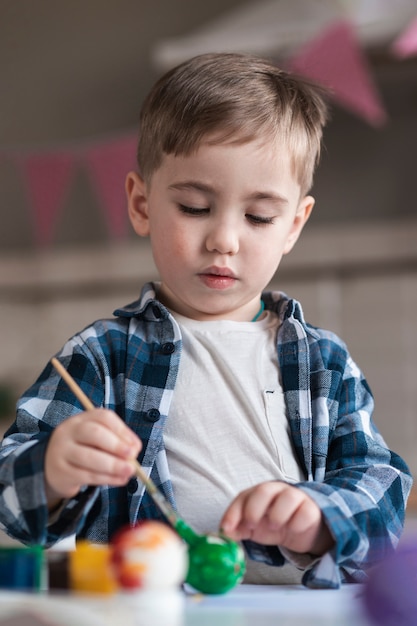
[262, 148]
[266, 145]
[230, 168]
[290, 149]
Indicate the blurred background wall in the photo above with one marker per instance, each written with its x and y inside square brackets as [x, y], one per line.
[73, 76]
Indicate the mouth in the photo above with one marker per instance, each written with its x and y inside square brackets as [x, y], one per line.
[218, 271]
[217, 277]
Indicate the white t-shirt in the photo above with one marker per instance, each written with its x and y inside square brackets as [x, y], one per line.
[227, 428]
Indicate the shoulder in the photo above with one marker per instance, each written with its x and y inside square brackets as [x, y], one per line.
[100, 336]
[108, 330]
[139, 325]
[324, 345]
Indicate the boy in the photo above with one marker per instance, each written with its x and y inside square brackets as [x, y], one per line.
[246, 417]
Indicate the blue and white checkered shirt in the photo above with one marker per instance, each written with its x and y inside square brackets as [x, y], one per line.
[130, 364]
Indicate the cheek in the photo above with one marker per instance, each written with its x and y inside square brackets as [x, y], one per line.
[265, 257]
[269, 248]
[267, 266]
[171, 245]
[178, 242]
[185, 238]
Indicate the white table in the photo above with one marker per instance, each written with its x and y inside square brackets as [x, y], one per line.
[254, 605]
[247, 605]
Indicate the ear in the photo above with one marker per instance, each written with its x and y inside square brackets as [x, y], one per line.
[303, 213]
[137, 202]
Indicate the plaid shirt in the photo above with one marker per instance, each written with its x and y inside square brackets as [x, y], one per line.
[130, 363]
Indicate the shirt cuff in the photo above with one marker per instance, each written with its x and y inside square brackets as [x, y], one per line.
[301, 561]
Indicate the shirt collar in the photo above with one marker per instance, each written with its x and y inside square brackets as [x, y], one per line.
[148, 306]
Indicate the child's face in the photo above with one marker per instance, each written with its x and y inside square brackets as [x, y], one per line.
[219, 221]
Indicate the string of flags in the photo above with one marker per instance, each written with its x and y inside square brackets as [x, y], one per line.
[345, 72]
[47, 176]
[334, 58]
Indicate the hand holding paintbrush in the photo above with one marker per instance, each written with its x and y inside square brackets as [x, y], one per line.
[94, 451]
[138, 470]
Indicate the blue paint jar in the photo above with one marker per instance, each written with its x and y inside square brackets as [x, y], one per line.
[21, 567]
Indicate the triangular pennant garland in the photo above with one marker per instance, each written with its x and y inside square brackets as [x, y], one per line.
[47, 179]
[406, 44]
[335, 60]
[108, 165]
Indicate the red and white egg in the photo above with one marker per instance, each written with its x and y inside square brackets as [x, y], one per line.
[149, 555]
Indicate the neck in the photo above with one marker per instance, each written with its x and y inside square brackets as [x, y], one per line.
[259, 313]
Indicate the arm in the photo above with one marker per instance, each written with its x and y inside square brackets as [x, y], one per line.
[365, 487]
[351, 514]
[51, 434]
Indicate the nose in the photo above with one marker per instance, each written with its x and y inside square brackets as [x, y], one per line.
[223, 238]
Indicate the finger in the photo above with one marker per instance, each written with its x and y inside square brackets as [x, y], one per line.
[99, 461]
[284, 506]
[101, 429]
[293, 521]
[97, 468]
[303, 529]
[115, 424]
[81, 465]
[94, 434]
[233, 515]
[249, 508]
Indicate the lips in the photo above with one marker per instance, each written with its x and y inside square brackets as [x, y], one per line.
[218, 271]
[218, 277]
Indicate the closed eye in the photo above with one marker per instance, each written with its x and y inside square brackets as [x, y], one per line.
[189, 210]
[259, 220]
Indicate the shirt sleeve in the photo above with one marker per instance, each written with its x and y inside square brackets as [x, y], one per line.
[24, 512]
[365, 488]
[360, 485]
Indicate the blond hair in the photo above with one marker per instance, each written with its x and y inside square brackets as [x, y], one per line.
[232, 97]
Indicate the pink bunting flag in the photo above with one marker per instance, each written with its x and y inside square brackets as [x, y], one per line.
[108, 164]
[47, 179]
[406, 44]
[335, 60]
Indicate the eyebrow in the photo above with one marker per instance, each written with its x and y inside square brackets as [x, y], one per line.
[199, 186]
[192, 186]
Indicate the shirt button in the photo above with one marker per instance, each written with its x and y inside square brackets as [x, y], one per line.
[153, 415]
[132, 485]
[168, 348]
